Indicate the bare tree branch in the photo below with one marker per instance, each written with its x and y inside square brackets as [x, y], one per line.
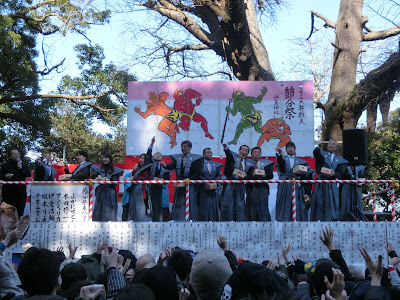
[189, 47]
[48, 71]
[168, 10]
[380, 35]
[328, 23]
[21, 118]
[74, 99]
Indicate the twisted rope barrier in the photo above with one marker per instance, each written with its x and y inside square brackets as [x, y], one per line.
[394, 184]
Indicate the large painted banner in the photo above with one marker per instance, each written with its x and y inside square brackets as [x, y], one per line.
[265, 114]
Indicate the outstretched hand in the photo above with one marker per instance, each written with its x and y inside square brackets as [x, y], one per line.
[337, 286]
[327, 238]
[102, 246]
[87, 294]
[163, 257]
[376, 269]
[72, 250]
[222, 243]
[389, 247]
[285, 252]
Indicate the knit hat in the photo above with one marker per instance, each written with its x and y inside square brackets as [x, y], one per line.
[210, 271]
[310, 266]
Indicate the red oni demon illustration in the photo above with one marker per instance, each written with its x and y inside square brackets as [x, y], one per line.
[275, 129]
[183, 111]
[186, 112]
[156, 105]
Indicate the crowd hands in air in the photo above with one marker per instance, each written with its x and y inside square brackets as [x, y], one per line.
[209, 201]
[210, 274]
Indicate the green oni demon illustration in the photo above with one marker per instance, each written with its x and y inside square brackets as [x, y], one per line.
[250, 116]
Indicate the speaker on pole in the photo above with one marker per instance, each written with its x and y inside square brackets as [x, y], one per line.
[355, 149]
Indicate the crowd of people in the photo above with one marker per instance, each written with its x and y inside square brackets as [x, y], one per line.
[208, 201]
[210, 274]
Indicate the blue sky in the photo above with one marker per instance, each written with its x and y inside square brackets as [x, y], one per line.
[293, 21]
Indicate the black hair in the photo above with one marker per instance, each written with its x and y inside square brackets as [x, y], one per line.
[244, 146]
[60, 256]
[137, 291]
[71, 273]
[83, 153]
[181, 262]
[188, 143]
[161, 280]
[39, 271]
[110, 165]
[291, 144]
[255, 148]
[324, 269]
[12, 149]
[204, 150]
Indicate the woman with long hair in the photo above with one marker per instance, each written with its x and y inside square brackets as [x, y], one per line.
[105, 206]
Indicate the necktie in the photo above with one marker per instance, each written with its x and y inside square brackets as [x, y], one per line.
[241, 167]
[256, 165]
[291, 160]
[184, 161]
[209, 167]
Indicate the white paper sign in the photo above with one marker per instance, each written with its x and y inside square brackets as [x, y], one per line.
[256, 241]
[59, 203]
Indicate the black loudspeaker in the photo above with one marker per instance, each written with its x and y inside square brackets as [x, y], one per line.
[355, 146]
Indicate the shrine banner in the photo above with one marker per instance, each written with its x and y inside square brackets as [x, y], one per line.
[59, 202]
[265, 114]
[257, 241]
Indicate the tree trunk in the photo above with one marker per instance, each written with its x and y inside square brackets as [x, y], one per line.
[349, 35]
[371, 117]
[244, 48]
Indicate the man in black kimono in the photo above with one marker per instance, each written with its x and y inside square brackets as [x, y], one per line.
[156, 190]
[258, 193]
[325, 196]
[186, 165]
[82, 171]
[234, 194]
[14, 170]
[207, 195]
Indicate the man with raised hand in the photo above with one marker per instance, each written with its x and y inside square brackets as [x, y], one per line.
[290, 167]
[156, 190]
[234, 194]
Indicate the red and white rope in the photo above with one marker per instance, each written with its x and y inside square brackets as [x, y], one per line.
[191, 181]
[196, 181]
[294, 201]
[374, 207]
[393, 208]
[187, 204]
[91, 194]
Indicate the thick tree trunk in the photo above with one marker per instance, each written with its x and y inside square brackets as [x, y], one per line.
[244, 47]
[349, 35]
